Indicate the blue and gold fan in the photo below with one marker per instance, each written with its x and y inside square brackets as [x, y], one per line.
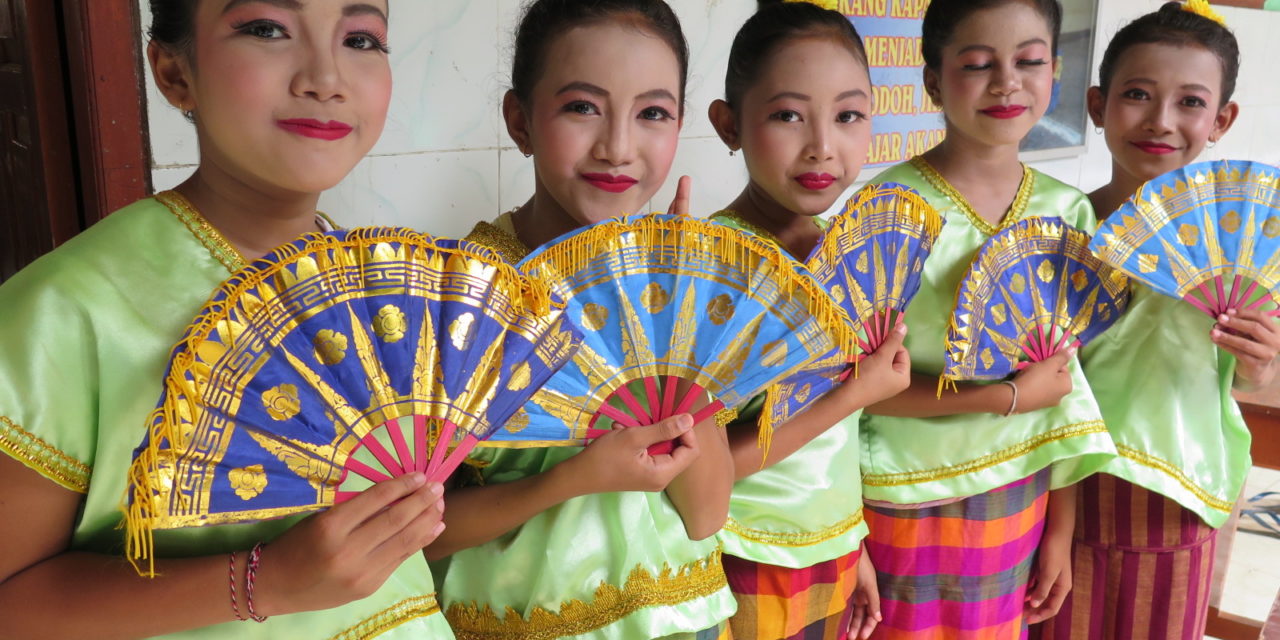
[1208, 233]
[1032, 290]
[339, 360]
[870, 259]
[671, 307]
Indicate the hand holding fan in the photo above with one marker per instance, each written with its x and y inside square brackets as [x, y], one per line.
[870, 260]
[673, 308]
[1190, 232]
[1033, 289]
[339, 360]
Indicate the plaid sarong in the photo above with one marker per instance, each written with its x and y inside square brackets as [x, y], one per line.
[778, 603]
[958, 571]
[1141, 567]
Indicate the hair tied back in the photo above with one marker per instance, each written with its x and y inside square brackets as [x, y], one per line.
[1203, 9]
[830, 5]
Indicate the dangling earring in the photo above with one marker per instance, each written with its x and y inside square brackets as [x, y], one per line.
[527, 154]
[1212, 144]
[1097, 130]
[732, 153]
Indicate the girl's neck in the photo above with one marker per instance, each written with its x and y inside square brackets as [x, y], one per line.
[797, 233]
[987, 176]
[1110, 196]
[541, 219]
[254, 220]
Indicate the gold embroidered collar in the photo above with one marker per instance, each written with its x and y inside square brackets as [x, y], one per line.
[207, 234]
[500, 235]
[1016, 210]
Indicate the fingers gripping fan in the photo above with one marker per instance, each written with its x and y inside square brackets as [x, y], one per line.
[339, 360]
[870, 260]
[1208, 233]
[1032, 290]
[671, 307]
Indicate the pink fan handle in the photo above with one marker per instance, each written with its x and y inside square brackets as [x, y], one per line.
[1199, 305]
[370, 441]
[669, 388]
[421, 443]
[634, 405]
[442, 447]
[707, 411]
[455, 458]
[613, 413]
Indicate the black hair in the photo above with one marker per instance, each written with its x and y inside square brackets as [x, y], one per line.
[775, 23]
[1173, 25]
[173, 23]
[943, 16]
[544, 20]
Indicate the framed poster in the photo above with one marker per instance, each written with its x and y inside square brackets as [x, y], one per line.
[905, 122]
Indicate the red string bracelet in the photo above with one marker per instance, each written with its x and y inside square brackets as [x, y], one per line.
[235, 608]
[251, 573]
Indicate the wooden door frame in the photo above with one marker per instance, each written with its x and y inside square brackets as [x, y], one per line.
[108, 97]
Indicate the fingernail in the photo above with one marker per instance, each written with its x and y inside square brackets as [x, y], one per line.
[1071, 351]
[439, 528]
[684, 421]
[437, 489]
[417, 478]
[1223, 318]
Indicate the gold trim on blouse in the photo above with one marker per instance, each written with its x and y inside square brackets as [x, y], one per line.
[1016, 210]
[794, 538]
[391, 617]
[978, 464]
[670, 587]
[43, 457]
[1171, 470]
[207, 234]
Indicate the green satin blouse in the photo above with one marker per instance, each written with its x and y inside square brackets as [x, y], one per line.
[1165, 392]
[914, 460]
[805, 509]
[87, 335]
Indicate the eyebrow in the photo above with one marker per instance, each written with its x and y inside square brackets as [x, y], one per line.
[852, 93]
[983, 47]
[595, 90]
[348, 11]
[292, 5]
[1190, 87]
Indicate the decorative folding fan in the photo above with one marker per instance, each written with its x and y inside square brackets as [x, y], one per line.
[870, 259]
[340, 360]
[1033, 289]
[672, 308]
[1190, 231]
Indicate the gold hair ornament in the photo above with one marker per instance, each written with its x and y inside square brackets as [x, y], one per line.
[1203, 9]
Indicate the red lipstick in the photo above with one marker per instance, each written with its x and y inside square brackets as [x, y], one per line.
[609, 182]
[1154, 148]
[331, 130]
[815, 181]
[1005, 111]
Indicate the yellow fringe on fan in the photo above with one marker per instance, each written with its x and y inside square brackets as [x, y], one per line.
[142, 504]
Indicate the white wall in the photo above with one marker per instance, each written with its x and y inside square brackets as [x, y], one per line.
[445, 161]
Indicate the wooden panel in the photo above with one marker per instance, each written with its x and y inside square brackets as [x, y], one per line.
[106, 70]
[37, 183]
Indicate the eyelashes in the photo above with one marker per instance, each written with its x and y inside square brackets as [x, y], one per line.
[272, 30]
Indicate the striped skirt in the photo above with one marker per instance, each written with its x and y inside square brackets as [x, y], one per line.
[958, 571]
[778, 603]
[1141, 566]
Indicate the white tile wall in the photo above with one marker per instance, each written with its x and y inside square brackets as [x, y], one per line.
[445, 161]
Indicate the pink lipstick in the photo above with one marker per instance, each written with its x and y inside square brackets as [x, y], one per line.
[1154, 148]
[815, 181]
[331, 130]
[1005, 111]
[609, 182]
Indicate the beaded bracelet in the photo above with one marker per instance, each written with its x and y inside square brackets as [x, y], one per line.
[231, 571]
[251, 573]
